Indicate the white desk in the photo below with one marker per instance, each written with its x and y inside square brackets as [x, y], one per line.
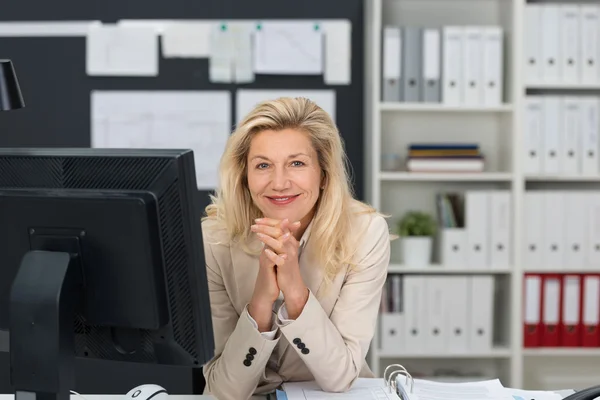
[119, 397]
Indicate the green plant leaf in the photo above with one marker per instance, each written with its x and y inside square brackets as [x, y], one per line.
[417, 223]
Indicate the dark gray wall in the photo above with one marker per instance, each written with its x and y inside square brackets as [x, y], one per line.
[57, 91]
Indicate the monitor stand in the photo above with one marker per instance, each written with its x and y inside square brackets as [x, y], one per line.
[44, 297]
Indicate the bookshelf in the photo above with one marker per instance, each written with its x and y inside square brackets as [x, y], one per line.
[499, 132]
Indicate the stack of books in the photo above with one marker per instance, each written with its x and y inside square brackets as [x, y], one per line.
[444, 157]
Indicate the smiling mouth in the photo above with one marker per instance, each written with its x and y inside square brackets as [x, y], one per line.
[281, 200]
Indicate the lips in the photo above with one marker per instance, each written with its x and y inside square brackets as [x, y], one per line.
[282, 200]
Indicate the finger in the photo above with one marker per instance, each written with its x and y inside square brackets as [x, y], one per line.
[293, 227]
[274, 232]
[276, 245]
[279, 260]
[268, 221]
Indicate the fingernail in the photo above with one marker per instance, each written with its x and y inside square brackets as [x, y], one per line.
[297, 223]
[258, 220]
[260, 235]
[286, 221]
[253, 227]
[284, 256]
[285, 235]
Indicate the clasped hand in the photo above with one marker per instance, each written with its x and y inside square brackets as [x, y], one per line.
[281, 252]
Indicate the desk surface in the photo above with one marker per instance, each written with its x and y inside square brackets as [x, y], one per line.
[118, 397]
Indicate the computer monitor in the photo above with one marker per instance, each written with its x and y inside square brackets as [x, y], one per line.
[101, 256]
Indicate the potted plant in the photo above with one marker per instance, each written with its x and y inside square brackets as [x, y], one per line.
[416, 230]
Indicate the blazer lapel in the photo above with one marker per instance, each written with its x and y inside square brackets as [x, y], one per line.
[245, 269]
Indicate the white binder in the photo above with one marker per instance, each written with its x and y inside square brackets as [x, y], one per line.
[482, 311]
[493, 65]
[457, 317]
[590, 43]
[593, 249]
[570, 136]
[453, 247]
[550, 42]
[392, 63]
[472, 62]
[569, 47]
[590, 125]
[415, 291]
[533, 41]
[500, 228]
[553, 255]
[576, 223]
[551, 124]
[435, 333]
[477, 225]
[534, 135]
[534, 217]
[452, 65]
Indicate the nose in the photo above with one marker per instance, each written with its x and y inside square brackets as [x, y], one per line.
[280, 179]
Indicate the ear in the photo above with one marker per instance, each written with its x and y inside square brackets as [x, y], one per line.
[323, 181]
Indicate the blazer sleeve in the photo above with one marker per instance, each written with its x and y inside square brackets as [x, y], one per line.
[241, 352]
[334, 347]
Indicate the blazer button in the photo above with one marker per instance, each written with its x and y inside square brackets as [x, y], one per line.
[301, 345]
[247, 363]
[252, 350]
[297, 340]
[305, 351]
[249, 357]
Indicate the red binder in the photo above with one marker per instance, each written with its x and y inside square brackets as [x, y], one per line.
[532, 312]
[590, 313]
[570, 327]
[551, 310]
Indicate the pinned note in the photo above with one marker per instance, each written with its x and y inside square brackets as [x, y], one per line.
[222, 52]
[186, 39]
[197, 120]
[338, 52]
[120, 50]
[294, 48]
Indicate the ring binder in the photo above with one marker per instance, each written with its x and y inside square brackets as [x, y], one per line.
[392, 384]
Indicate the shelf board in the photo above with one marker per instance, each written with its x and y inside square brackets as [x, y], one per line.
[562, 352]
[562, 178]
[440, 269]
[500, 352]
[543, 270]
[563, 86]
[446, 176]
[438, 107]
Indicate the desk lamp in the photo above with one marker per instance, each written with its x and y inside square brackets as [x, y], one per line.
[10, 93]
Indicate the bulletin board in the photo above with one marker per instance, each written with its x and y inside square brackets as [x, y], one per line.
[56, 89]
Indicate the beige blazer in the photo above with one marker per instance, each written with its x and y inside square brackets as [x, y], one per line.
[328, 342]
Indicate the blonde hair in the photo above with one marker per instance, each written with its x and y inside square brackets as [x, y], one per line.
[332, 232]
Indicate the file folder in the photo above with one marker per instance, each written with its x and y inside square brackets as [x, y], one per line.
[452, 65]
[569, 49]
[550, 42]
[430, 82]
[551, 310]
[571, 300]
[590, 43]
[533, 308]
[493, 66]
[411, 64]
[591, 311]
[533, 41]
[472, 62]
[392, 63]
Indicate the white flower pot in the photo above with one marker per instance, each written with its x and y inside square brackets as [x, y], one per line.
[416, 251]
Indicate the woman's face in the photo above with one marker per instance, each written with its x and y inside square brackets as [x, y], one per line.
[284, 175]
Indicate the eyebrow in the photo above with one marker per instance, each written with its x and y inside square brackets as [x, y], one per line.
[290, 156]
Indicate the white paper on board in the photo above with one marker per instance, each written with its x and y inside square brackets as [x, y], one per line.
[338, 52]
[120, 50]
[186, 39]
[247, 99]
[292, 48]
[197, 120]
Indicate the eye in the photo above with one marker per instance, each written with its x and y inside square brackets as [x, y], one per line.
[262, 165]
[297, 163]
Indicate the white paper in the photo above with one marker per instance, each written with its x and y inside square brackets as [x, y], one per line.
[186, 39]
[247, 99]
[292, 48]
[363, 389]
[430, 390]
[197, 120]
[242, 59]
[519, 394]
[222, 51]
[338, 52]
[118, 50]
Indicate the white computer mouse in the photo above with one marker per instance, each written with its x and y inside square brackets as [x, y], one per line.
[147, 392]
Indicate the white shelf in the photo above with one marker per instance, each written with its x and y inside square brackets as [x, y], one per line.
[500, 352]
[439, 269]
[562, 352]
[562, 178]
[436, 107]
[540, 270]
[563, 86]
[446, 176]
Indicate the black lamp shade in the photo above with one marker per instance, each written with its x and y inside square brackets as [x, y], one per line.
[10, 93]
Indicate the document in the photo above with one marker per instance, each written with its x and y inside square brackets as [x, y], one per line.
[430, 390]
[519, 394]
[292, 48]
[186, 39]
[121, 50]
[196, 120]
[247, 99]
[222, 54]
[363, 389]
[338, 52]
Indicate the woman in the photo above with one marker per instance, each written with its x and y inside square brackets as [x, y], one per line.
[295, 265]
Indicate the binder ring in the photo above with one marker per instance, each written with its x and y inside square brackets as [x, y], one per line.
[394, 385]
[386, 380]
